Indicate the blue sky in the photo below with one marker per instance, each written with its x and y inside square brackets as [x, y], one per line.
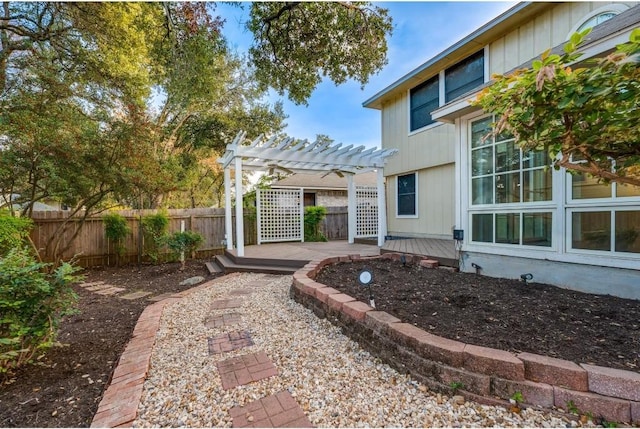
[421, 30]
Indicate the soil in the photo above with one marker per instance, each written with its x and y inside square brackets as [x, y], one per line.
[499, 313]
[64, 388]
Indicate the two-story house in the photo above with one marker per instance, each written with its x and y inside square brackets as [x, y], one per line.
[516, 215]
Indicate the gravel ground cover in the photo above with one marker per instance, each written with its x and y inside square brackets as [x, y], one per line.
[335, 382]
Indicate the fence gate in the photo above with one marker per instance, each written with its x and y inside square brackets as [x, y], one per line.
[280, 215]
[366, 211]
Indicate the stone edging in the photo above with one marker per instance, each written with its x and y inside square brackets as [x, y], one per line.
[119, 404]
[488, 375]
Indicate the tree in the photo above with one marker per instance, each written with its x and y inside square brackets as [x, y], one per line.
[297, 43]
[585, 114]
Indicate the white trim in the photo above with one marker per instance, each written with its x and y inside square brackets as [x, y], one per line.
[442, 91]
[614, 7]
[425, 128]
[487, 70]
[416, 215]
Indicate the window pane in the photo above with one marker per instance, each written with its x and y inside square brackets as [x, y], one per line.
[628, 231]
[536, 229]
[537, 185]
[482, 161]
[425, 98]
[538, 158]
[479, 130]
[508, 228]
[482, 190]
[591, 230]
[507, 188]
[407, 194]
[627, 190]
[482, 225]
[584, 186]
[464, 76]
[507, 157]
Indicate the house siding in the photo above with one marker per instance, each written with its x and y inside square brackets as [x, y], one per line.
[548, 29]
[436, 187]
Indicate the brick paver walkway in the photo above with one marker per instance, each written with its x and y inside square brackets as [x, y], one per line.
[229, 341]
[279, 410]
[223, 304]
[245, 369]
[222, 320]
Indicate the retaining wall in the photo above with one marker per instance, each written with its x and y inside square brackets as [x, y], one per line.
[487, 375]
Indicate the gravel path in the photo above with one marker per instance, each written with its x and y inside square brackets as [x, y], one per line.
[335, 382]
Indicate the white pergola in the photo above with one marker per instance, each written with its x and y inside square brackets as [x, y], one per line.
[300, 156]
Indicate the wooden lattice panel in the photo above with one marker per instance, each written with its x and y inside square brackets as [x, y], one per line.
[367, 211]
[280, 215]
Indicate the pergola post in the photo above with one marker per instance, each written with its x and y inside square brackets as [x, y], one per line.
[351, 209]
[228, 219]
[239, 211]
[382, 209]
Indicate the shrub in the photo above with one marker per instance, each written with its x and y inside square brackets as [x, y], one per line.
[154, 230]
[116, 230]
[313, 217]
[184, 243]
[14, 231]
[32, 303]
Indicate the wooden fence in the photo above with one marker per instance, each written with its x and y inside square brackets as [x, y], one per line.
[91, 247]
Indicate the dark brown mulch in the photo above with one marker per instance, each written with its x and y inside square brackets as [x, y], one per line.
[65, 387]
[499, 313]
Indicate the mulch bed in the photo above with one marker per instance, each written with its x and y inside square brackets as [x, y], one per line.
[64, 388]
[500, 313]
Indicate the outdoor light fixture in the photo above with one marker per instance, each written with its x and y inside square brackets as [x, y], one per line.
[365, 278]
[526, 277]
[477, 267]
[403, 259]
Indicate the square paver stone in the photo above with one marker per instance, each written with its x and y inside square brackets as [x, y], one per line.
[273, 411]
[245, 369]
[223, 304]
[229, 341]
[135, 295]
[237, 292]
[221, 320]
[111, 291]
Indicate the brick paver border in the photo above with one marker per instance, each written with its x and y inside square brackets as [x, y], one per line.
[245, 369]
[119, 404]
[274, 411]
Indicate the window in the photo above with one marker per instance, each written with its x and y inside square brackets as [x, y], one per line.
[592, 230]
[520, 228]
[501, 175]
[425, 98]
[464, 76]
[598, 16]
[406, 195]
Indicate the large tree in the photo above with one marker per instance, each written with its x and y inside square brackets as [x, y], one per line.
[584, 114]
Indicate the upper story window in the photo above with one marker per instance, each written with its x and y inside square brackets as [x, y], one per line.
[457, 80]
[598, 16]
[464, 76]
[424, 99]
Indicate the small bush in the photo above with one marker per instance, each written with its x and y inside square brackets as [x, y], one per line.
[32, 303]
[186, 242]
[154, 230]
[116, 230]
[313, 217]
[14, 231]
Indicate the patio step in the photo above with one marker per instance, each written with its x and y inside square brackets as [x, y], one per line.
[213, 267]
[229, 266]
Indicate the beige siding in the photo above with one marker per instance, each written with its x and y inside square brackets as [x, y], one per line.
[547, 30]
[431, 147]
[435, 205]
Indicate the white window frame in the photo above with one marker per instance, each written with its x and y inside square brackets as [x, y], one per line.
[413, 216]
